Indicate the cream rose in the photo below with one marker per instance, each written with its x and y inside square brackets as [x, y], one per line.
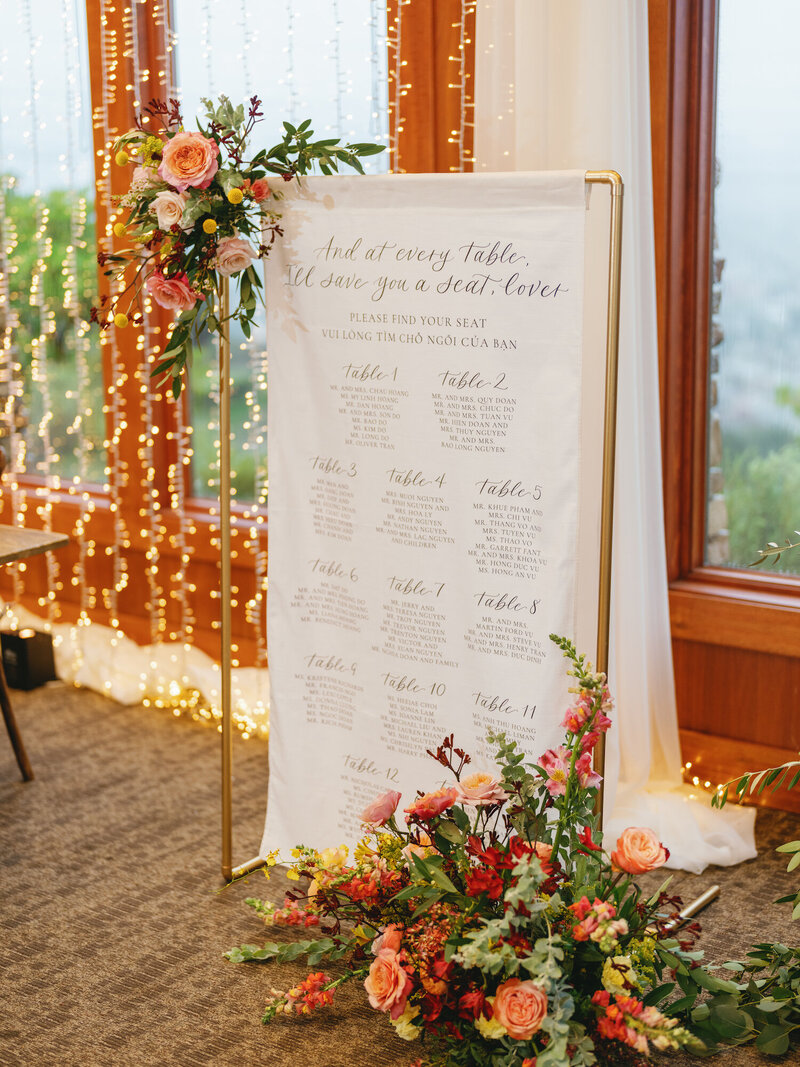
[479, 790]
[189, 159]
[520, 1007]
[387, 984]
[168, 208]
[233, 254]
[638, 850]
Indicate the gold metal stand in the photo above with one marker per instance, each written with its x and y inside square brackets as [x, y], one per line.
[614, 181]
[593, 177]
[225, 576]
[229, 872]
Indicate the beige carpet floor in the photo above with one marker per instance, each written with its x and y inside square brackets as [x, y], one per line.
[112, 925]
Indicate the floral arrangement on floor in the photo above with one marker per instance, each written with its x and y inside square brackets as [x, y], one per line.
[199, 211]
[489, 922]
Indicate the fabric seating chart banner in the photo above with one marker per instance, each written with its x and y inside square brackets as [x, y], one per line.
[425, 375]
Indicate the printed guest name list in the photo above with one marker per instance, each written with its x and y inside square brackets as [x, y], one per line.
[424, 388]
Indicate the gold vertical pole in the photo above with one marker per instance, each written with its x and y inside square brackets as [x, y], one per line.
[225, 577]
[614, 181]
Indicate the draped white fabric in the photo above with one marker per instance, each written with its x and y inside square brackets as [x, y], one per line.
[563, 84]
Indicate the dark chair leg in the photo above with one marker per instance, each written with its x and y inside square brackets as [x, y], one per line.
[13, 729]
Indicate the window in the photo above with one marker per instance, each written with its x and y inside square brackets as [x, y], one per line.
[52, 391]
[754, 396]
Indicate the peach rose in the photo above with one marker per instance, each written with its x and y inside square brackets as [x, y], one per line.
[381, 809]
[422, 848]
[259, 189]
[189, 159]
[168, 207]
[480, 789]
[431, 804]
[520, 1007]
[391, 938]
[233, 254]
[173, 293]
[387, 984]
[638, 850]
[543, 851]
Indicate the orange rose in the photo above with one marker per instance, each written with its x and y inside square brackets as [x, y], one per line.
[189, 159]
[638, 850]
[429, 805]
[520, 1007]
[387, 984]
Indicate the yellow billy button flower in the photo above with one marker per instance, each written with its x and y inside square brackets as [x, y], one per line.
[120, 320]
[209, 226]
[121, 158]
[119, 229]
[235, 196]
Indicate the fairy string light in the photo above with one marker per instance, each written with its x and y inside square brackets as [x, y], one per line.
[113, 525]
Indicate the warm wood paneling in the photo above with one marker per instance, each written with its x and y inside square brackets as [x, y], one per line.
[720, 759]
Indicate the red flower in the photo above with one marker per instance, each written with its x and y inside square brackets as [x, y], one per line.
[472, 1005]
[585, 838]
[483, 880]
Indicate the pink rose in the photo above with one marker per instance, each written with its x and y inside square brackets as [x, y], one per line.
[144, 178]
[520, 1007]
[431, 804]
[189, 159]
[173, 293]
[381, 809]
[391, 938]
[387, 984]
[638, 850]
[168, 207]
[233, 254]
[480, 789]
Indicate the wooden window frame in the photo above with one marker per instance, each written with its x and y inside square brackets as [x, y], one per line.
[735, 633]
[714, 605]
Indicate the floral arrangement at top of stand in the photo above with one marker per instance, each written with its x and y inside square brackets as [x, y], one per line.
[493, 925]
[198, 211]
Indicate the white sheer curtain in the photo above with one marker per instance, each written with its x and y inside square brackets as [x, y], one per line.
[564, 84]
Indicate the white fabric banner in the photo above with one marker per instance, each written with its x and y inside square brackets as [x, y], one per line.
[425, 392]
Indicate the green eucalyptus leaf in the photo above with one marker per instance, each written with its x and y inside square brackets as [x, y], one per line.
[773, 1040]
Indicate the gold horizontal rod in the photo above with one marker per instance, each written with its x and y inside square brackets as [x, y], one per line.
[247, 868]
[693, 908]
